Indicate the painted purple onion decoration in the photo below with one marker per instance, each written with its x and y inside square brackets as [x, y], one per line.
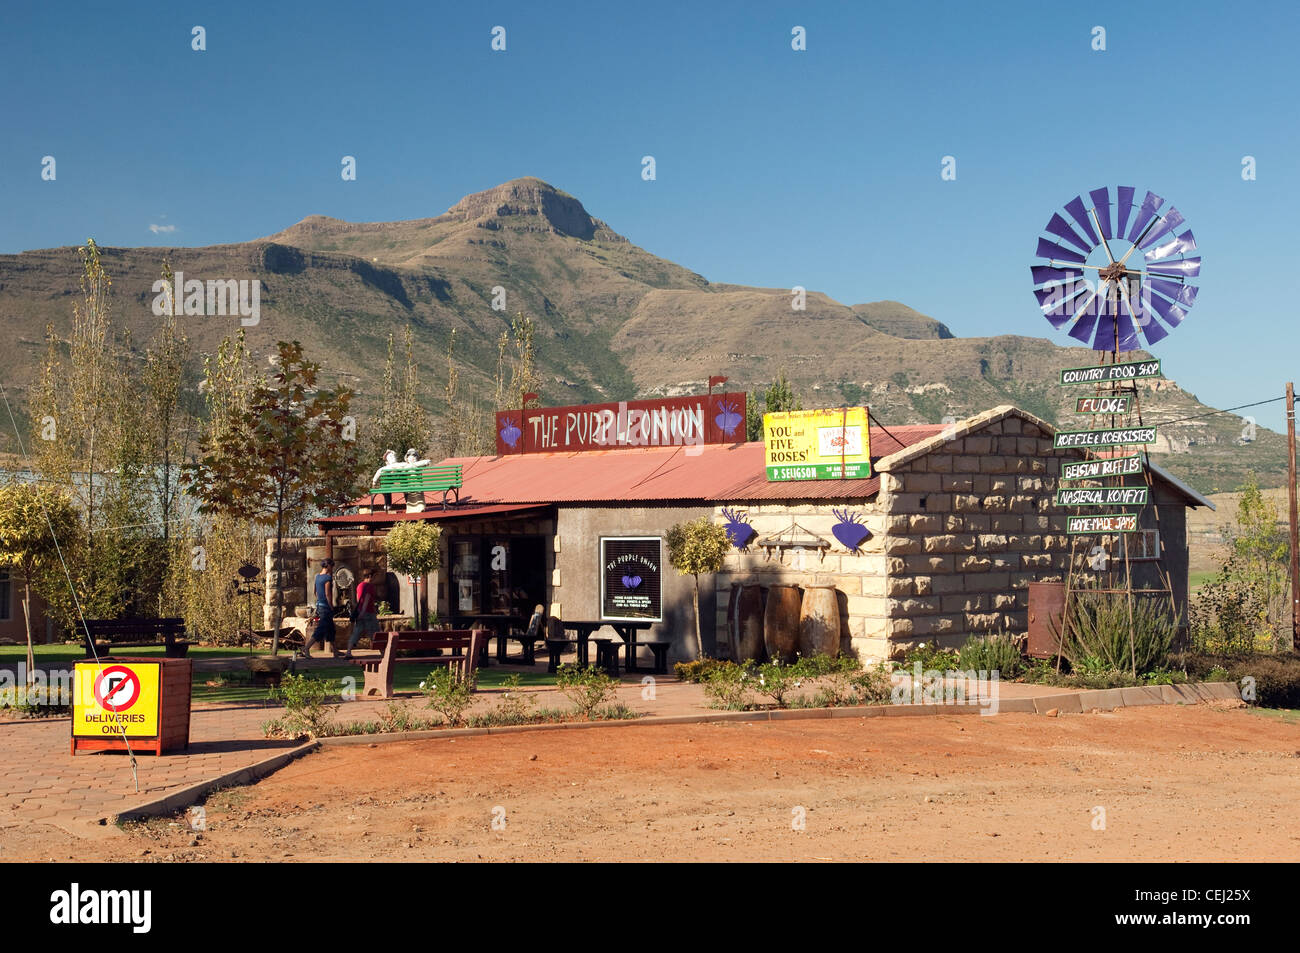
[510, 433]
[728, 418]
[849, 530]
[631, 582]
[738, 529]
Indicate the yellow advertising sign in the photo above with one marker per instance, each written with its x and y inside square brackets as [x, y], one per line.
[111, 698]
[817, 444]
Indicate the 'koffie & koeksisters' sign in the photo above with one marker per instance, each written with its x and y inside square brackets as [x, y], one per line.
[630, 578]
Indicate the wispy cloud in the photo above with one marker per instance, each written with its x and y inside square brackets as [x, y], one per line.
[162, 229]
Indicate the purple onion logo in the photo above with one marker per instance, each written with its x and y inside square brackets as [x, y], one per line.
[849, 530]
[510, 433]
[738, 529]
[728, 418]
[631, 582]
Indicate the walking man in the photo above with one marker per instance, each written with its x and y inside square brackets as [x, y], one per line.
[324, 631]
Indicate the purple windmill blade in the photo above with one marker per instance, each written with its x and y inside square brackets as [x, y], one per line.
[1184, 243]
[1141, 314]
[1055, 252]
[1086, 320]
[1172, 313]
[1123, 206]
[1045, 273]
[1182, 294]
[1105, 339]
[1059, 303]
[1169, 221]
[1128, 335]
[1150, 205]
[1080, 215]
[1101, 202]
[1186, 267]
[1061, 229]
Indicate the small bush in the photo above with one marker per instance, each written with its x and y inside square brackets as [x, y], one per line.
[1276, 678]
[305, 708]
[931, 657]
[617, 712]
[698, 670]
[516, 706]
[991, 653]
[588, 688]
[1100, 635]
[777, 681]
[448, 694]
[874, 684]
[728, 686]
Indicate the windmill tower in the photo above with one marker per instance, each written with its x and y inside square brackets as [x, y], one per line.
[1092, 285]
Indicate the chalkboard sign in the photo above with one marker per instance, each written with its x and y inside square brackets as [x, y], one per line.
[631, 577]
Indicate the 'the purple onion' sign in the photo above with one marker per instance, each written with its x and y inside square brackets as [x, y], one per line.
[630, 577]
[666, 422]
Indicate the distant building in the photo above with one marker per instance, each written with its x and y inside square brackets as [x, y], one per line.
[940, 543]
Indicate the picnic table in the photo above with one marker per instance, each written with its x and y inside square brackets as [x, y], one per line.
[627, 631]
[499, 624]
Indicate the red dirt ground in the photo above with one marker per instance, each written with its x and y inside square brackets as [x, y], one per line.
[1176, 783]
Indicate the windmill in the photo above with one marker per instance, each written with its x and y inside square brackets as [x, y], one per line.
[1115, 276]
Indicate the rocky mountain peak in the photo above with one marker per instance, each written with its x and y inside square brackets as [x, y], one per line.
[527, 204]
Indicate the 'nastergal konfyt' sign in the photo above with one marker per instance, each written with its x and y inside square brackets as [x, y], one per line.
[1102, 496]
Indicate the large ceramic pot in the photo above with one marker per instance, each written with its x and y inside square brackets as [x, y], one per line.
[745, 622]
[819, 622]
[781, 623]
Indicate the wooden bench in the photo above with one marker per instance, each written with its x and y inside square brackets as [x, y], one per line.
[555, 648]
[660, 650]
[439, 479]
[464, 646]
[109, 634]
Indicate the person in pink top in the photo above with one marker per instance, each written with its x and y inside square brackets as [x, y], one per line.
[367, 601]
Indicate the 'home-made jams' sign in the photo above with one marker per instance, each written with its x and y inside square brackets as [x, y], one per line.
[669, 422]
[630, 578]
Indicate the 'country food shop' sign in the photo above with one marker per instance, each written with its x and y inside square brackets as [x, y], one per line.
[817, 444]
[668, 422]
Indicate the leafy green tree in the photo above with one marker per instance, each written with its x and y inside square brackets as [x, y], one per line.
[699, 546]
[777, 398]
[415, 548]
[401, 422]
[286, 453]
[35, 521]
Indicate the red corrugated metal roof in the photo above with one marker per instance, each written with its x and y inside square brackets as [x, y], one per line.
[434, 512]
[722, 473]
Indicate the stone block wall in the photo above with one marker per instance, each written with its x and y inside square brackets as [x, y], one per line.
[858, 575]
[969, 525]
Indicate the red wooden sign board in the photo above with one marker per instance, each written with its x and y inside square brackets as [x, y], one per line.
[666, 422]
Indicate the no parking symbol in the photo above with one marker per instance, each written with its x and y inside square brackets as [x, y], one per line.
[117, 688]
[116, 699]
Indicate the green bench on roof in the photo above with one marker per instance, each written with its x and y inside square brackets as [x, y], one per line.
[442, 479]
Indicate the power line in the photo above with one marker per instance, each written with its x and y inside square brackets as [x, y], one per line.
[1212, 413]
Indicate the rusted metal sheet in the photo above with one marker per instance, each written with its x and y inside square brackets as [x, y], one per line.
[1046, 606]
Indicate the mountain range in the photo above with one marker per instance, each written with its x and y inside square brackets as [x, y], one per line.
[613, 322]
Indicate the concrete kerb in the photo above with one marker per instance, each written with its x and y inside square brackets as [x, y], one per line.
[189, 795]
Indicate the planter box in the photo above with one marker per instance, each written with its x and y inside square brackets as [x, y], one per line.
[145, 699]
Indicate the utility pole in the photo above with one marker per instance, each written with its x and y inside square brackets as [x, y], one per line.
[1295, 534]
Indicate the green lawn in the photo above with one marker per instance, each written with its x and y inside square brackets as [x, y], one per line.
[74, 651]
[1200, 577]
[406, 678]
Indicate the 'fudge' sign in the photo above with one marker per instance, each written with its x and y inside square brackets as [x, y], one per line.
[630, 578]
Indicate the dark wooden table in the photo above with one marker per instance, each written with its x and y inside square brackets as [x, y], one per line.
[497, 623]
[627, 631]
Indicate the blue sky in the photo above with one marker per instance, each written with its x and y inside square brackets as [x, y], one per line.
[776, 168]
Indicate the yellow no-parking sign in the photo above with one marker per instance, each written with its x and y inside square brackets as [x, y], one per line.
[115, 698]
